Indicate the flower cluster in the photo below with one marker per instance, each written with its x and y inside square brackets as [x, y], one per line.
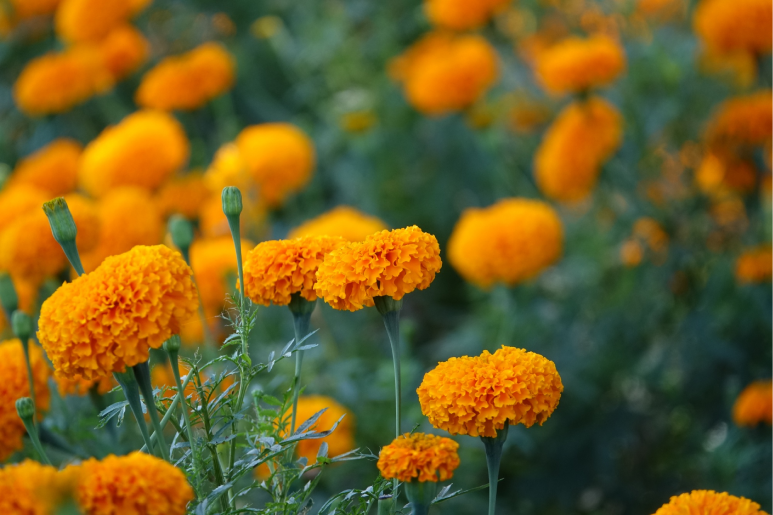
[387, 263]
[419, 456]
[30, 488]
[53, 168]
[742, 26]
[344, 221]
[755, 265]
[709, 501]
[477, 396]
[744, 120]
[754, 405]
[509, 242]
[462, 14]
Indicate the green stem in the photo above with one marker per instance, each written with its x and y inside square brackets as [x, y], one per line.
[32, 431]
[392, 324]
[219, 477]
[142, 374]
[420, 495]
[71, 251]
[493, 447]
[168, 415]
[173, 358]
[234, 225]
[131, 391]
[301, 322]
[25, 343]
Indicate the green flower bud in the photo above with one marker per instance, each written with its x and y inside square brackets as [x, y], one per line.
[232, 201]
[300, 306]
[182, 234]
[172, 344]
[8, 298]
[60, 218]
[386, 304]
[21, 323]
[420, 495]
[25, 407]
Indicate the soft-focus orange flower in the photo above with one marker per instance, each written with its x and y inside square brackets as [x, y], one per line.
[729, 213]
[107, 319]
[580, 140]
[183, 196]
[709, 502]
[137, 483]
[92, 20]
[13, 370]
[57, 81]
[124, 50]
[16, 200]
[339, 441]
[717, 176]
[577, 64]
[509, 242]
[419, 456]
[477, 396]
[214, 267]
[31, 488]
[80, 386]
[143, 150]
[387, 263]
[443, 72]
[743, 25]
[53, 168]
[188, 81]
[737, 68]
[754, 404]
[755, 265]
[744, 120]
[661, 10]
[23, 9]
[27, 293]
[462, 14]
[631, 253]
[651, 233]
[344, 221]
[228, 169]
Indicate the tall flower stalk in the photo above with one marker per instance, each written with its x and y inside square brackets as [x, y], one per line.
[390, 312]
[301, 310]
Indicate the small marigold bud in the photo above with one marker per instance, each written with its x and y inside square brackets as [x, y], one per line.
[22, 325]
[8, 297]
[182, 232]
[386, 304]
[25, 407]
[172, 344]
[232, 201]
[62, 224]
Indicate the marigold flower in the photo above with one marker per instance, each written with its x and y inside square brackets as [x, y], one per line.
[136, 483]
[709, 502]
[79, 386]
[390, 263]
[583, 136]
[53, 168]
[443, 72]
[577, 64]
[755, 265]
[339, 441]
[19, 199]
[124, 50]
[744, 120]
[754, 404]
[718, 176]
[91, 20]
[31, 488]
[631, 253]
[23, 9]
[143, 150]
[183, 196]
[13, 370]
[735, 26]
[461, 14]
[214, 266]
[188, 81]
[57, 81]
[418, 455]
[344, 221]
[509, 242]
[477, 396]
[106, 320]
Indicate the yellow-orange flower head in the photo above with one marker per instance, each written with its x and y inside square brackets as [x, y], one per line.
[387, 263]
[478, 396]
[143, 150]
[339, 441]
[124, 50]
[137, 483]
[344, 221]
[709, 502]
[742, 26]
[276, 269]
[214, 265]
[107, 320]
[754, 405]
[744, 120]
[17, 200]
[188, 81]
[719, 175]
[31, 488]
[419, 456]
[13, 370]
[442, 72]
[279, 157]
[580, 140]
[53, 168]
[577, 64]
[23, 9]
[509, 242]
[755, 265]
[91, 20]
[183, 196]
[462, 14]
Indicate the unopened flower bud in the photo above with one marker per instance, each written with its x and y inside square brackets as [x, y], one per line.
[62, 224]
[386, 304]
[21, 323]
[8, 298]
[181, 231]
[25, 407]
[172, 344]
[232, 201]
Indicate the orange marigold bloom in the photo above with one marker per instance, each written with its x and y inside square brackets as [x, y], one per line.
[583, 136]
[443, 72]
[13, 370]
[754, 404]
[718, 176]
[631, 253]
[19, 199]
[726, 27]
[124, 50]
[23, 9]
[92, 20]
[188, 81]
[276, 269]
[577, 64]
[183, 196]
[53, 168]
[79, 386]
[214, 266]
[755, 265]
[143, 150]
[390, 263]
[339, 441]
[509, 242]
[136, 483]
[744, 120]
[418, 455]
[344, 221]
[477, 396]
[700, 502]
[462, 14]
[107, 319]
[279, 157]
[58, 81]
[31, 488]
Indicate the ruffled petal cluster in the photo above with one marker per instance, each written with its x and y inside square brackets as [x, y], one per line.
[214, 266]
[580, 140]
[477, 396]
[79, 386]
[143, 150]
[443, 72]
[754, 405]
[419, 456]
[14, 384]
[387, 263]
[509, 242]
[136, 483]
[755, 265]
[462, 14]
[276, 269]
[727, 27]
[709, 502]
[108, 319]
[344, 221]
[91, 20]
[188, 81]
[31, 488]
[53, 168]
[577, 64]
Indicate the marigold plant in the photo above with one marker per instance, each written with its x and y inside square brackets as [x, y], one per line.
[92, 20]
[30, 488]
[755, 265]
[709, 502]
[53, 168]
[754, 404]
[462, 14]
[735, 26]
[124, 50]
[344, 221]
[419, 456]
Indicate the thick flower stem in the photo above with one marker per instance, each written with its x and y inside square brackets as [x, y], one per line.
[301, 310]
[169, 413]
[142, 374]
[234, 224]
[420, 495]
[386, 505]
[25, 343]
[132, 393]
[392, 324]
[174, 360]
[493, 447]
[25, 408]
[219, 476]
